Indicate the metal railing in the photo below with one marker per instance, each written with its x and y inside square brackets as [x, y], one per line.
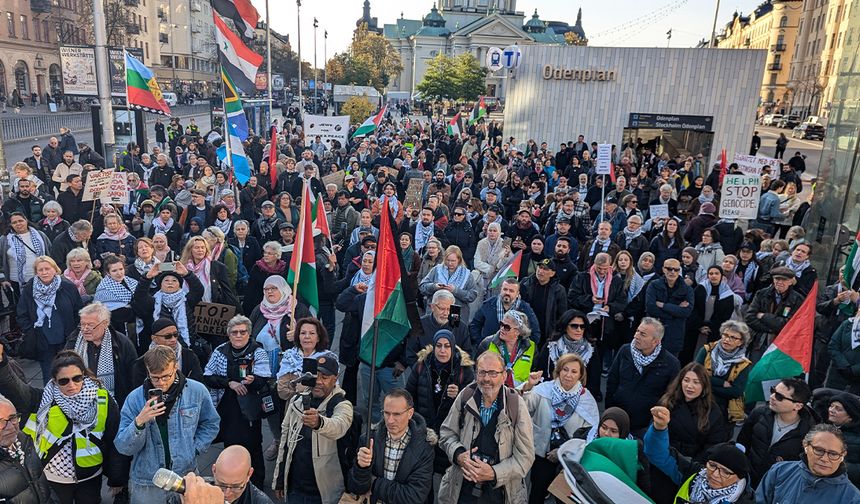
[775, 66]
[777, 47]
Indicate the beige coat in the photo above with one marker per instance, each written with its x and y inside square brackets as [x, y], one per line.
[516, 449]
[323, 444]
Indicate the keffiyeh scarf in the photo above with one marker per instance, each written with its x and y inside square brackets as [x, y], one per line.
[161, 226]
[701, 491]
[457, 278]
[20, 248]
[175, 303]
[104, 367]
[80, 409]
[224, 225]
[855, 332]
[629, 235]
[640, 360]
[218, 362]
[565, 345]
[114, 294]
[564, 402]
[422, 234]
[142, 267]
[291, 362]
[722, 361]
[500, 308]
[45, 296]
[604, 246]
[797, 268]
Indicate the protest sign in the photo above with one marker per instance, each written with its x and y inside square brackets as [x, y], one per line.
[211, 318]
[659, 211]
[604, 159]
[335, 178]
[740, 197]
[752, 165]
[328, 128]
[413, 193]
[98, 181]
[117, 192]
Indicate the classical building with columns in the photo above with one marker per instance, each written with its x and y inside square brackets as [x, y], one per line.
[459, 26]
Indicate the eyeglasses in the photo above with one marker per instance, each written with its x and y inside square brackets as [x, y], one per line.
[731, 337]
[168, 336]
[671, 270]
[14, 419]
[634, 201]
[163, 378]
[490, 374]
[225, 487]
[821, 452]
[65, 381]
[88, 327]
[780, 397]
[505, 326]
[459, 214]
[239, 332]
[719, 470]
[395, 414]
[576, 326]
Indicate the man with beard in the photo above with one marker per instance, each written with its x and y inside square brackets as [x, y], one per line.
[488, 318]
[251, 198]
[199, 207]
[425, 229]
[308, 175]
[265, 228]
[522, 231]
[565, 269]
[562, 228]
[601, 243]
[25, 202]
[344, 219]
[546, 296]
[439, 185]
[67, 167]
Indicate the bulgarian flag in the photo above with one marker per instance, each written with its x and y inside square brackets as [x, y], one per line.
[852, 263]
[789, 355]
[454, 125]
[511, 270]
[319, 216]
[370, 124]
[478, 112]
[303, 265]
[142, 90]
[385, 304]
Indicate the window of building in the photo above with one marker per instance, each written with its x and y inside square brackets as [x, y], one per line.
[773, 78]
[46, 31]
[25, 28]
[146, 50]
[783, 21]
[37, 30]
[145, 30]
[10, 24]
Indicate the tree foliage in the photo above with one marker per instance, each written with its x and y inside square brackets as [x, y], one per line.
[459, 78]
[438, 82]
[571, 38]
[358, 108]
[469, 77]
[370, 60]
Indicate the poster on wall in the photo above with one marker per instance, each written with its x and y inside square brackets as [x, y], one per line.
[79, 70]
[117, 68]
[327, 127]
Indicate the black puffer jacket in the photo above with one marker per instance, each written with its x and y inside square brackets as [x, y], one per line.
[684, 434]
[23, 484]
[124, 355]
[756, 434]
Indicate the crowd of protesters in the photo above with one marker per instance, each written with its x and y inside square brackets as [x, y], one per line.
[617, 329]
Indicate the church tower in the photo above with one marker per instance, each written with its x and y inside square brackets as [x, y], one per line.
[500, 6]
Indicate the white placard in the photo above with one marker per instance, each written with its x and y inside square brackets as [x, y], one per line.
[604, 159]
[740, 196]
[98, 181]
[658, 211]
[328, 128]
[79, 70]
[117, 192]
[752, 165]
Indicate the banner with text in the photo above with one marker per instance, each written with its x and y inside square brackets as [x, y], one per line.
[98, 182]
[79, 70]
[117, 192]
[740, 196]
[752, 165]
[328, 128]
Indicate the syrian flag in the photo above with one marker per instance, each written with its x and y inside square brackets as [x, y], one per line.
[385, 304]
[510, 270]
[852, 263]
[242, 13]
[239, 62]
[303, 265]
[454, 125]
[370, 124]
[789, 355]
[319, 216]
[724, 166]
[478, 112]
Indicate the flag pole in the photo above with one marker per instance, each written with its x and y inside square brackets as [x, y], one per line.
[370, 388]
[268, 63]
[301, 231]
[226, 126]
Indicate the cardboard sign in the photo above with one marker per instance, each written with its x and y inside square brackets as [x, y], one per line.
[117, 192]
[98, 181]
[335, 178]
[604, 159]
[659, 211]
[413, 193]
[212, 318]
[752, 165]
[740, 197]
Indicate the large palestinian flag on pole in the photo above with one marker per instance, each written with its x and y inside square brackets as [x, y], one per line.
[385, 303]
[510, 270]
[789, 355]
[141, 87]
[370, 124]
[303, 265]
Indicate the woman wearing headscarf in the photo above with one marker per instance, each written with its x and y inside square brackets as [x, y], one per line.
[166, 225]
[270, 264]
[491, 254]
[75, 411]
[714, 303]
[79, 271]
[710, 249]
[195, 228]
[197, 258]
[19, 249]
[115, 239]
[533, 256]
[221, 218]
[162, 251]
[727, 365]
[614, 423]
[690, 270]
[453, 276]
[733, 279]
[48, 311]
[558, 409]
[115, 292]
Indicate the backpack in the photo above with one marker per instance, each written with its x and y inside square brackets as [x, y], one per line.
[512, 399]
[347, 445]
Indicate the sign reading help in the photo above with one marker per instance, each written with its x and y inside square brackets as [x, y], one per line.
[740, 197]
[117, 192]
[97, 182]
[212, 318]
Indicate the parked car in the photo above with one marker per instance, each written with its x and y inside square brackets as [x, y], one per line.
[808, 131]
[170, 99]
[788, 122]
[771, 119]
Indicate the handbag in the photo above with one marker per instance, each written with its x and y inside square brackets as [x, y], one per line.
[258, 404]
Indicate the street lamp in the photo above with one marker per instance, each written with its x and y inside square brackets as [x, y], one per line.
[325, 60]
[316, 80]
[299, 32]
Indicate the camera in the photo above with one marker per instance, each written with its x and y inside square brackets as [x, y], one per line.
[308, 379]
[478, 489]
[454, 316]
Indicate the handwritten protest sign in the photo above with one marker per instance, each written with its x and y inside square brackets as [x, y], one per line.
[740, 197]
[211, 318]
[752, 165]
[97, 182]
[413, 193]
[659, 211]
[335, 178]
[117, 192]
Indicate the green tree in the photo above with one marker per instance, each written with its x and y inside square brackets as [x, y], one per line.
[469, 77]
[370, 60]
[439, 82]
[358, 108]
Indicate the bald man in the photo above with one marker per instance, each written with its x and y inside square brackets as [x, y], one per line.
[670, 300]
[232, 473]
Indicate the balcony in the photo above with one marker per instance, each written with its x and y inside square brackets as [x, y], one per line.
[774, 67]
[162, 38]
[777, 48]
[40, 5]
[132, 29]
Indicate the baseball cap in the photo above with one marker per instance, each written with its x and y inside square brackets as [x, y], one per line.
[327, 364]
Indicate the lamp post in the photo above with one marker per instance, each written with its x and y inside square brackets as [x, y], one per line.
[299, 32]
[325, 60]
[316, 79]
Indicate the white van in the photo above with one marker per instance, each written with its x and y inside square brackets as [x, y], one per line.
[170, 99]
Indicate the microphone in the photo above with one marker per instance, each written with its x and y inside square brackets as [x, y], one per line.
[166, 479]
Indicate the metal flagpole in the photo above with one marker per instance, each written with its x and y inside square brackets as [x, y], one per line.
[269, 59]
[603, 198]
[226, 126]
[316, 78]
[325, 59]
[371, 390]
[299, 37]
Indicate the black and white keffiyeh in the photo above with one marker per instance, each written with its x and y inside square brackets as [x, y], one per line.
[722, 361]
[45, 296]
[500, 308]
[640, 360]
[701, 491]
[80, 409]
[218, 361]
[175, 303]
[161, 226]
[103, 369]
[565, 345]
[20, 249]
[114, 294]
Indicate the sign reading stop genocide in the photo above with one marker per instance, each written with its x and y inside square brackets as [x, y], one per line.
[740, 196]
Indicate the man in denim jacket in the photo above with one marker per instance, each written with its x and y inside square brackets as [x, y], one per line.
[169, 430]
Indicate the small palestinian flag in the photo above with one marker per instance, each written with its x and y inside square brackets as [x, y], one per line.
[510, 270]
[478, 112]
[454, 125]
[370, 124]
[852, 263]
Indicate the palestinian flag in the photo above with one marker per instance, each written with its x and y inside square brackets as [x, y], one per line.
[141, 88]
[370, 124]
[303, 266]
[320, 218]
[789, 355]
[454, 125]
[233, 107]
[604, 471]
[852, 263]
[510, 270]
[478, 112]
[242, 13]
[385, 304]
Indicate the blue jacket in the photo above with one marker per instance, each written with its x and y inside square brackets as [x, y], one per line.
[124, 247]
[191, 427]
[486, 321]
[672, 315]
[793, 482]
[768, 207]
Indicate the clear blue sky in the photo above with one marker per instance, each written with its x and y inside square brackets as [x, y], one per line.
[640, 23]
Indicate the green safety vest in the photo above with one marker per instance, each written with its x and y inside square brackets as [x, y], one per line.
[523, 365]
[87, 449]
[683, 495]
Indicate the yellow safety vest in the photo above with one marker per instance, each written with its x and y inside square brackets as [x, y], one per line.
[736, 406]
[87, 449]
[683, 495]
[522, 366]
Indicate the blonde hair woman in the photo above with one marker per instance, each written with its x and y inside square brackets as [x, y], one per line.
[452, 276]
[196, 256]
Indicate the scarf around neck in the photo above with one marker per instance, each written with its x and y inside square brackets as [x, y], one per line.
[104, 368]
[21, 249]
[595, 283]
[457, 278]
[161, 226]
[422, 234]
[797, 268]
[701, 491]
[45, 297]
[114, 294]
[565, 345]
[175, 303]
[79, 282]
[604, 246]
[120, 235]
[274, 312]
[201, 270]
[277, 269]
[722, 361]
[629, 236]
[640, 360]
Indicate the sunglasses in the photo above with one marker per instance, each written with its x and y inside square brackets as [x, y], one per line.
[65, 381]
[460, 214]
[780, 397]
[506, 327]
[168, 336]
[674, 270]
[576, 326]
